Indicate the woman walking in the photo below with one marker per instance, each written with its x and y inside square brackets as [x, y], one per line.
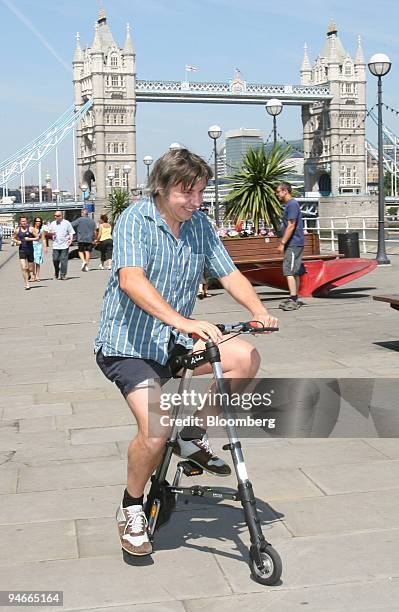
[24, 238]
[39, 247]
[104, 242]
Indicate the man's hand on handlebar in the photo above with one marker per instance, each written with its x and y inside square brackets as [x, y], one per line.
[201, 329]
[265, 319]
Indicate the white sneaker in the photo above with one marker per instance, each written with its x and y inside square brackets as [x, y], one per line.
[101, 267]
[83, 266]
[86, 268]
[132, 526]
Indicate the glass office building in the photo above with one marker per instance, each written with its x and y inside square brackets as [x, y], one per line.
[237, 144]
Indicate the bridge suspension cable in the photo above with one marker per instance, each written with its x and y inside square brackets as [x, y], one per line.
[40, 147]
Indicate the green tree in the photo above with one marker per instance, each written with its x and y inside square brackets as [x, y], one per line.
[253, 195]
[117, 202]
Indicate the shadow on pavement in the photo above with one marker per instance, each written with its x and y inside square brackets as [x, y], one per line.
[392, 345]
[198, 518]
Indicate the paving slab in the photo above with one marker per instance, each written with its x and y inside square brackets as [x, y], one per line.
[319, 561]
[341, 513]
[45, 506]
[368, 476]
[95, 419]
[70, 476]
[33, 411]
[37, 424]
[64, 454]
[34, 542]
[96, 582]
[8, 478]
[103, 434]
[359, 596]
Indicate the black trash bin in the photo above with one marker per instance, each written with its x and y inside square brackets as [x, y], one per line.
[348, 244]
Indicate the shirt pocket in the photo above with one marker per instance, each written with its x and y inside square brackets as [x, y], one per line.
[194, 267]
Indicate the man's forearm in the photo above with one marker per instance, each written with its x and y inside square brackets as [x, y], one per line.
[139, 289]
[242, 292]
[287, 234]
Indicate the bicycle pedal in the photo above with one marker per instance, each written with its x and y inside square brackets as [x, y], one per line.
[190, 469]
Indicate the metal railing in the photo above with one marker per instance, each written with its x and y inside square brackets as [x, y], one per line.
[328, 229]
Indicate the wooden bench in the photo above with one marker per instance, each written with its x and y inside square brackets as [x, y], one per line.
[393, 300]
[261, 249]
[258, 259]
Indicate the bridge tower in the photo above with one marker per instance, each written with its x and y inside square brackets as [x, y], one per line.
[334, 131]
[106, 137]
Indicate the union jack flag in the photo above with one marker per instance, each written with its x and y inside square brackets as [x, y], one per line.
[190, 68]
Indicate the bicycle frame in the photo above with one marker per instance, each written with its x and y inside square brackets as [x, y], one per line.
[265, 562]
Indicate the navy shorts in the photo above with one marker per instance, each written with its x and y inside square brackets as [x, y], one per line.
[128, 372]
[28, 256]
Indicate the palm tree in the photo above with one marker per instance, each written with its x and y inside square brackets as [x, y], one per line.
[118, 201]
[253, 195]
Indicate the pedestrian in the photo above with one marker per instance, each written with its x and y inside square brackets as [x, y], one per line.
[291, 244]
[24, 238]
[62, 234]
[161, 244]
[1, 237]
[39, 247]
[85, 231]
[104, 242]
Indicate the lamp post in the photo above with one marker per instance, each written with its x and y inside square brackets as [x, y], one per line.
[215, 132]
[175, 146]
[147, 159]
[126, 171]
[379, 66]
[84, 187]
[274, 108]
[111, 176]
[56, 192]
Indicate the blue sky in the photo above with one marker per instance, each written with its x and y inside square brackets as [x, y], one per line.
[264, 39]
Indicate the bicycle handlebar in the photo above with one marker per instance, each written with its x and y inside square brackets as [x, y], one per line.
[243, 327]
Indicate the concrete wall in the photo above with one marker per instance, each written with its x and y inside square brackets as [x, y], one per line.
[346, 206]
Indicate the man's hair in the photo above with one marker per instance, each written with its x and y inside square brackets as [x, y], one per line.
[175, 167]
[23, 217]
[286, 186]
[85, 211]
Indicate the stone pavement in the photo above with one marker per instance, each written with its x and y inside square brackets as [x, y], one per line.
[330, 507]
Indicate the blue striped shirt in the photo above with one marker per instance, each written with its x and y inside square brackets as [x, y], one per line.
[174, 266]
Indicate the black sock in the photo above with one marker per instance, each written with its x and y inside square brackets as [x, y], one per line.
[294, 298]
[128, 500]
[192, 433]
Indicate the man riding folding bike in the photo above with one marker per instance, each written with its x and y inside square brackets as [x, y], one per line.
[161, 246]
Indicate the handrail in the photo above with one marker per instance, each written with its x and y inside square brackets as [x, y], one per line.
[342, 224]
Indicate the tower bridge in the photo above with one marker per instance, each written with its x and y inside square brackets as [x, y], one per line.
[331, 93]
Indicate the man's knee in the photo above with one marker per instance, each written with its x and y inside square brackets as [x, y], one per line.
[153, 446]
[247, 360]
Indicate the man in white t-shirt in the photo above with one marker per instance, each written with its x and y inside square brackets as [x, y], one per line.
[62, 234]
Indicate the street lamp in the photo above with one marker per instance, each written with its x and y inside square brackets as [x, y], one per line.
[274, 108]
[56, 192]
[111, 176]
[175, 146]
[215, 132]
[126, 171]
[84, 187]
[379, 66]
[147, 159]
